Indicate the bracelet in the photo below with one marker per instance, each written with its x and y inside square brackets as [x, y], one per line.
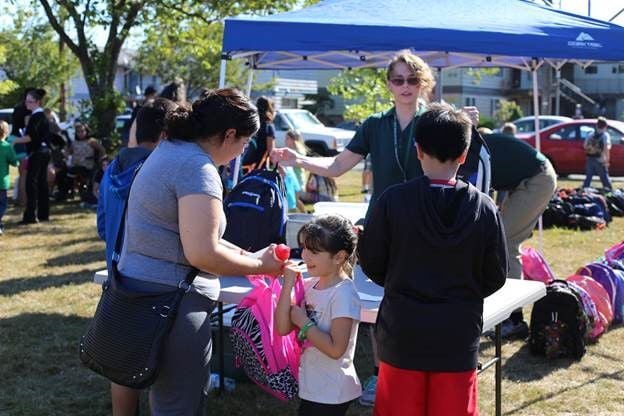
[303, 332]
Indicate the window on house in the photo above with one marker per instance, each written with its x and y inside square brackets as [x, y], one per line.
[592, 69]
[470, 101]
[620, 68]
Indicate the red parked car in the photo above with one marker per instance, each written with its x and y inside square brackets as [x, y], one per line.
[563, 145]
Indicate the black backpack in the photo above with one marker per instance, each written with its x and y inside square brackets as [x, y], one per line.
[477, 168]
[559, 323]
[256, 211]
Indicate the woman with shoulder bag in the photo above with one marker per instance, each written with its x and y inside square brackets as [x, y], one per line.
[175, 222]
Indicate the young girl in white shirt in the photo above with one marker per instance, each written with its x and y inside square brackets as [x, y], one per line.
[328, 321]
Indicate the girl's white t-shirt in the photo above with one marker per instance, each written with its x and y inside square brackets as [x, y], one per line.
[321, 378]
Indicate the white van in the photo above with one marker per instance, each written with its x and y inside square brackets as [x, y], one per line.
[326, 141]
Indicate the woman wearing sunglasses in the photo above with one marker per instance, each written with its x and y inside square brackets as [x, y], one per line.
[389, 139]
[387, 136]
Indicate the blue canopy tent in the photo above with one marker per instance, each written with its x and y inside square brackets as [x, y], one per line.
[346, 34]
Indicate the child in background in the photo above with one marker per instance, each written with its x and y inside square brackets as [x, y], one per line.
[437, 246]
[329, 319]
[295, 142]
[7, 157]
[291, 185]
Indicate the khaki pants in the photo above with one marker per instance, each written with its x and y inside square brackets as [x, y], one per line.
[521, 210]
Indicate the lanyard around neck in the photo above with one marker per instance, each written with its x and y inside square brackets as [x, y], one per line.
[402, 167]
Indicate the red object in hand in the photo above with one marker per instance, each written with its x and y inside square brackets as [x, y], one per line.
[281, 252]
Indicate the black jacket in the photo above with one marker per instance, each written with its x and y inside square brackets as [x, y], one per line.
[438, 252]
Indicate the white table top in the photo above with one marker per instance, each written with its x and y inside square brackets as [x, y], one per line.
[497, 307]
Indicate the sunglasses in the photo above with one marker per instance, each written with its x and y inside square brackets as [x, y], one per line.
[397, 82]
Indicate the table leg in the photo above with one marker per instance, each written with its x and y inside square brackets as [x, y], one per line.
[498, 369]
[221, 350]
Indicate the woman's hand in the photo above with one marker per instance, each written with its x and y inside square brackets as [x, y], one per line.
[298, 316]
[268, 264]
[473, 113]
[284, 156]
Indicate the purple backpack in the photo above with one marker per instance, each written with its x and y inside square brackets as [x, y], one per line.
[613, 282]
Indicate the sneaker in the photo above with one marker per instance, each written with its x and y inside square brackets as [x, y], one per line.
[368, 393]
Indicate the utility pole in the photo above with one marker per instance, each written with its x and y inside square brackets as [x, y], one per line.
[588, 8]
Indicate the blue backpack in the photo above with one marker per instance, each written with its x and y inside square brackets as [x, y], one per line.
[256, 211]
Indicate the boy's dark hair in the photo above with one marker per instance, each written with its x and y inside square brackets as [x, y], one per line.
[150, 120]
[331, 233]
[150, 90]
[443, 132]
[37, 93]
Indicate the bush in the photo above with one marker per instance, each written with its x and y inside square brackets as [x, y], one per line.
[508, 111]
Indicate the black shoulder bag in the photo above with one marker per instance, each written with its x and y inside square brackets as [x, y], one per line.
[125, 339]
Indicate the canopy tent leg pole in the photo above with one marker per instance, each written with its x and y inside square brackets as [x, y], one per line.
[222, 72]
[440, 84]
[250, 77]
[538, 146]
[237, 162]
[558, 92]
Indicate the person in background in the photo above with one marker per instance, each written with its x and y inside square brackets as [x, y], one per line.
[525, 182]
[36, 139]
[113, 193]
[174, 225]
[294, 141]
[149, 95]
[85, 152]
[262, 144]
[388, 138]
[19, 119]
[7, 157]
[328, 382]
[437, 246]
[174, 91]
[597, 150]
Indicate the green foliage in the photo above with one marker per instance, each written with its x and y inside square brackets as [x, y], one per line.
[365, 90]
[508, 111]
[185, 41]
[485, 121]
[7, 85]
[32, 59]
[478, 73]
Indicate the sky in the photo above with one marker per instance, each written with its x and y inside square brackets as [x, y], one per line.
[600, 9]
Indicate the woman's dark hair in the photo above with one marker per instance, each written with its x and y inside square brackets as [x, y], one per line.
[213, 114]
[331, 233]
[37, 93]
[266, 109]
[86, 127]
[175, 91]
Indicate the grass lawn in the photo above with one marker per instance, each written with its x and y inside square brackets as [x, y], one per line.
[47, 298]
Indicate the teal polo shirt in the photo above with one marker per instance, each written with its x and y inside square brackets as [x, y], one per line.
[376, 137]
[7, 157]
[512, 161]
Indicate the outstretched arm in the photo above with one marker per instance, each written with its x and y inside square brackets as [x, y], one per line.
[324, 166]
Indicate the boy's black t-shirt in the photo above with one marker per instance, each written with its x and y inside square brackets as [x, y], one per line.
[438, 252]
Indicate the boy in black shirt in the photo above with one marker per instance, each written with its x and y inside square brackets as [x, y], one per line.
[437, 246]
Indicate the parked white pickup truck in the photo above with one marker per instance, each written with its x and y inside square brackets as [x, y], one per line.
[325, 141]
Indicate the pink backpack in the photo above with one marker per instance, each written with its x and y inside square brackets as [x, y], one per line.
[535, 267]
[595, 326]
[269, 359]
[599, 295]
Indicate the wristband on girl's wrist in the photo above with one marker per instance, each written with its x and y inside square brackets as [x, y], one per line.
[303, 332]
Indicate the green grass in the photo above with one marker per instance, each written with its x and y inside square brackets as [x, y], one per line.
[47, 298]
